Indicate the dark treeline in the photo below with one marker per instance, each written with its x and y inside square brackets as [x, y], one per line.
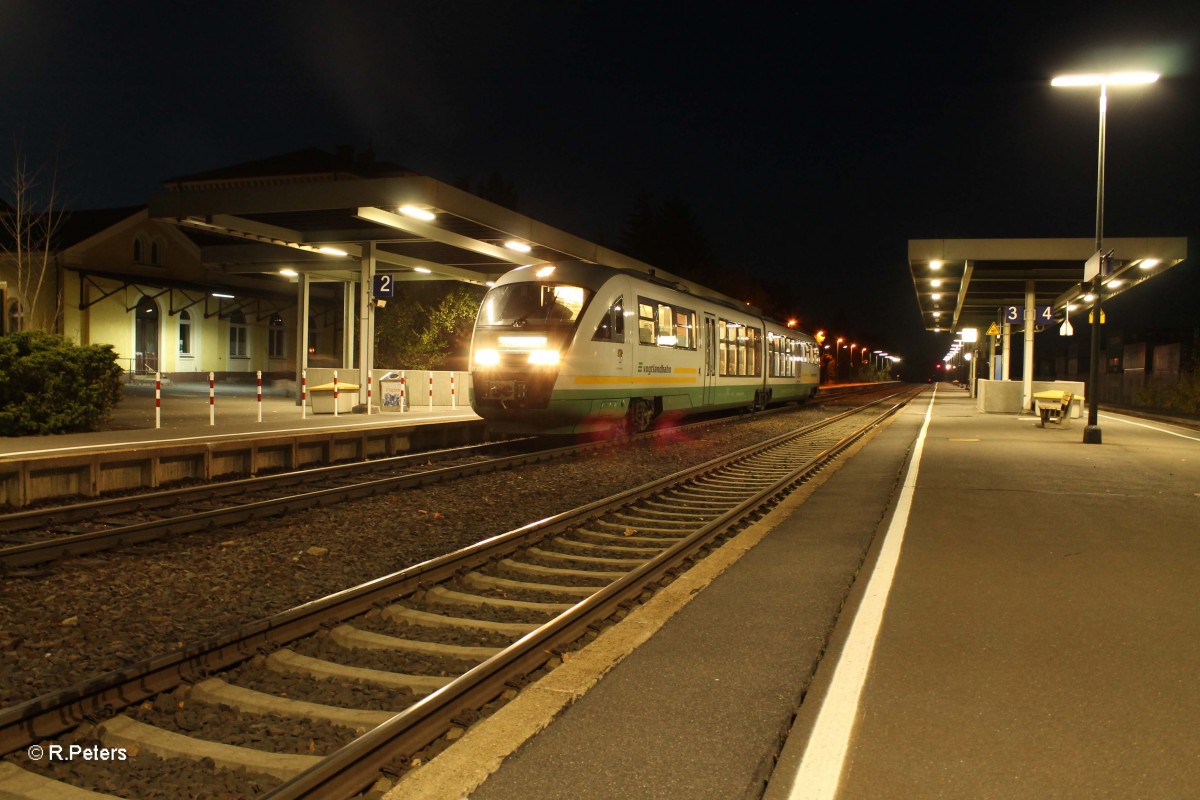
[668, 235]
[428, 324]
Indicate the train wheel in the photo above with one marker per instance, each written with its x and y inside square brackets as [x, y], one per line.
[639, 417]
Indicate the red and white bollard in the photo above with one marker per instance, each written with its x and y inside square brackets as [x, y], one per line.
[431, 391]
[403, 389]
[212, 399]
[303, 394]
[368, 393]
[335, 393]
[258, 375]
[158, 400]
[453, 399]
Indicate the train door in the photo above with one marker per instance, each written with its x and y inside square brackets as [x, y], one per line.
[710, 358]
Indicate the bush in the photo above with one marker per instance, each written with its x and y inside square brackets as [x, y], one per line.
[1183, 396]
[51, 385]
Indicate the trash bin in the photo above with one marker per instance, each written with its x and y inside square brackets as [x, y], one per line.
[1054, 406]
[391, 393]
[322, 398]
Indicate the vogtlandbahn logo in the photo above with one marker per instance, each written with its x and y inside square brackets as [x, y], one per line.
[649, 369]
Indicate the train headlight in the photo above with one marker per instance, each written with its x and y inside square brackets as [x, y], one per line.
[486, 357]
[544, 357]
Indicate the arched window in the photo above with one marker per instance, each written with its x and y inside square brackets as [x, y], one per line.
[154, 252]
[185, 333]
[139, 250]
[238, 335]
[275, 338]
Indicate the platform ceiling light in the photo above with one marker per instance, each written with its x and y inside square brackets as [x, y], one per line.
[520, 247]
[418, 213]
[1114, 283]
[288, 272]
[222, 296]
[422, 270]
[332, 251]
[935, 265]
[1111, 79]
[935, 283]
[1149, 263]
[936, 296]
[1089, 297]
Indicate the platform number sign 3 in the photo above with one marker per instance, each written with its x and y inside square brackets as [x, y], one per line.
[1015, 315]
[385, 287]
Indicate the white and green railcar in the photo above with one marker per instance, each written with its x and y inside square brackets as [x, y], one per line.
[577, 348]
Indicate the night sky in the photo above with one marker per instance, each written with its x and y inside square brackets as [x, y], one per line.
[811, 140]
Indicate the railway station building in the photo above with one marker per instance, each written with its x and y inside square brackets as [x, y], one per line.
[217, 272]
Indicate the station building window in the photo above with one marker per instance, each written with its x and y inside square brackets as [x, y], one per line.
[275, 338]
[185, 333]
[238, 335]
[15, 316]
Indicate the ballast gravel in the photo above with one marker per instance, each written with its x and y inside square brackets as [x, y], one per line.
[76, 619]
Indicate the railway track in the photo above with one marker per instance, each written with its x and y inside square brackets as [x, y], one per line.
[435, 642]
[41, 535]
[33, 537]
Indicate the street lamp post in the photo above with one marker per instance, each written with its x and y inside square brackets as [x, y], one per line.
[1091, 433]
[837, 359]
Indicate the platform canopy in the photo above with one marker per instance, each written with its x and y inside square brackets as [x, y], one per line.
[309, 213]
[967, 282]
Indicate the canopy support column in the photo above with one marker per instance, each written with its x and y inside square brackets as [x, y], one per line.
[366, 319]
[1027, 367]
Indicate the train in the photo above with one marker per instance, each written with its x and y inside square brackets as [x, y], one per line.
[577, 348]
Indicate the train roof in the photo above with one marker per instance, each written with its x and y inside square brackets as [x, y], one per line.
[592, 276]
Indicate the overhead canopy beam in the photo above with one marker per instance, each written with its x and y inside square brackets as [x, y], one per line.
[438, 234]
[996, 272]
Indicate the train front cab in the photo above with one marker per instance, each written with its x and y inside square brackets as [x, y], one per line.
[548, 351]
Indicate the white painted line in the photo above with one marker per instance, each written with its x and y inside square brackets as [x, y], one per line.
[820, 768]
[1151, 427]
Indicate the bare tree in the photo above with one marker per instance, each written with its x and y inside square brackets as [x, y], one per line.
[31, 223]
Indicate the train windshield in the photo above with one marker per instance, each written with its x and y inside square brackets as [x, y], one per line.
[541, 304]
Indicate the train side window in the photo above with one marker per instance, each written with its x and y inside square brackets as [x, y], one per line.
[612, 324]
[645, 322]
[753, 352]
[665, 331]
[729, 347]
[685, 324]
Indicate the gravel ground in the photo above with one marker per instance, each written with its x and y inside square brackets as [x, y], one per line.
[75, 619]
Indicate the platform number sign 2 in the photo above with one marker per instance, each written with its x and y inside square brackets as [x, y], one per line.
[385, 287]
[1015, 315]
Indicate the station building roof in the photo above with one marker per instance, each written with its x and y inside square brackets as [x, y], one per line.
[320, 214]
[966, 282]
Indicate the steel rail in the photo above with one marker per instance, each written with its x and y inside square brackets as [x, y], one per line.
[52, 713]
[50, 549]
[74, 512]
[355, 766]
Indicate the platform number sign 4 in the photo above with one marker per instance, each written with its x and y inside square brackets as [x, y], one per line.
[1015, 315]
[385, 287]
